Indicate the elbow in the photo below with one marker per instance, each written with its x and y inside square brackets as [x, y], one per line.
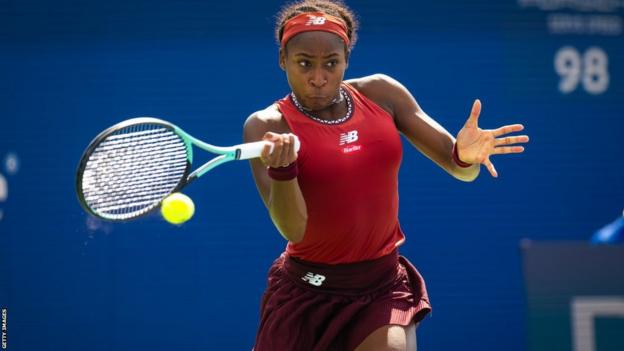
[294, 232]
[297, 237]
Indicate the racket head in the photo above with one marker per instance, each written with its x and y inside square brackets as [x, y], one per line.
[129, 168]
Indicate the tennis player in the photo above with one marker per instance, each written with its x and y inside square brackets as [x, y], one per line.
[341, 284]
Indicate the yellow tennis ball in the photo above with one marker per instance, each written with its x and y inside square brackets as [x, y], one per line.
[177, 208]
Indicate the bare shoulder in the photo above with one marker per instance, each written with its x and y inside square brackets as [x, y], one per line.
[268, 120]
[384, 90]
[374, 82]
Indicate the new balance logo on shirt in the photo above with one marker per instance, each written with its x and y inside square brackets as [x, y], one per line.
[315, 21]
[314, 279]
[349, 137]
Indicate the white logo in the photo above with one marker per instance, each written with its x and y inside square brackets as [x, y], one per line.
[315, 21]
[314, 279]
[350, 137]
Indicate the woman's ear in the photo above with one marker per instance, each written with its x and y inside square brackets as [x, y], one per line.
[282, 59]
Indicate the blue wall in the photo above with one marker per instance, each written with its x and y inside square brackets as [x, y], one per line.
[69, 69]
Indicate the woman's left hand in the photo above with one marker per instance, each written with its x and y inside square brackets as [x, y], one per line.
[475, 145]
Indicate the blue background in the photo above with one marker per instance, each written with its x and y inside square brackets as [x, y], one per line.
[69, 69]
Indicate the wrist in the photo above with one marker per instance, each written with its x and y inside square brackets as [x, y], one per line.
[456, 158]
[284, 173]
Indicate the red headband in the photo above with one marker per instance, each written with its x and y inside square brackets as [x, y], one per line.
[313, 21]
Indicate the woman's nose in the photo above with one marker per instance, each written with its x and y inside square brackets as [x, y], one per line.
[318, 79]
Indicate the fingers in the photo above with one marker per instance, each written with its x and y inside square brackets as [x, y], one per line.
[508, 129]
[490, 167]
[508, 150]
[499, 150]
[266, 150]
[474, 114]
[512, 140]
[292, 153]
[283, 152]
[500, 145]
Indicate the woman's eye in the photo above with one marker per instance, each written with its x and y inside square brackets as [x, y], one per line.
[332, 63]
[304, 63]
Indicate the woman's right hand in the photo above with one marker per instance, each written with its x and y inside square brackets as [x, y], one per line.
[283, 153]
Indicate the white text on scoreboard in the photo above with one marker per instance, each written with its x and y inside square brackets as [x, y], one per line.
[588, 69]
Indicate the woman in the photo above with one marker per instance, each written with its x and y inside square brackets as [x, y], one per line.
[340, 284]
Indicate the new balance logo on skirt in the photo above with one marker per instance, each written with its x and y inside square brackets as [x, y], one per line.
[349, 137]
[314, 279]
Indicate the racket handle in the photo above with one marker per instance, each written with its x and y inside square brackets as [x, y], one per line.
[253, 150]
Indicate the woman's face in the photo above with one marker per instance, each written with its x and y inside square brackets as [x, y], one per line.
[315, 63]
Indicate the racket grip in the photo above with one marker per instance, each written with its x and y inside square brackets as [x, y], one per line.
[253, 150]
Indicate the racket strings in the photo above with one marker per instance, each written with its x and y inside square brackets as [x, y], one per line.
[131, 170]
[136, 182]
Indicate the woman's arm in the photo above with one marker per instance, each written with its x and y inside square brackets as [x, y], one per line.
[474, 145]
[283, 198]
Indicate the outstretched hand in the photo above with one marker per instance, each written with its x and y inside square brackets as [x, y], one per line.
[476, 145]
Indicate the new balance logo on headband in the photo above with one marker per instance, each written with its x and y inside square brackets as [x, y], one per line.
[315, 21]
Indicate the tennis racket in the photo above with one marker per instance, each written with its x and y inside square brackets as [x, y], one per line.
[129, 168]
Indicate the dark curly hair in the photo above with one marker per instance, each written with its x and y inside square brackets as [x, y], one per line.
[335, 8]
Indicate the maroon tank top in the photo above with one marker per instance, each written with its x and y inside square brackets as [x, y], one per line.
[348, 174]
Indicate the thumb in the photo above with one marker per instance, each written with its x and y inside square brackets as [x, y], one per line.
[474, 114]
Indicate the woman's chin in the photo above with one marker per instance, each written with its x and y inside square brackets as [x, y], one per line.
[317, 103]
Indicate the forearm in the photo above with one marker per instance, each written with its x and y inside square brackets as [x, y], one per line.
[288, 209]
[438, 147]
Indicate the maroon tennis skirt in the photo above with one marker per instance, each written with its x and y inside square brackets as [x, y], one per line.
[317, 307]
